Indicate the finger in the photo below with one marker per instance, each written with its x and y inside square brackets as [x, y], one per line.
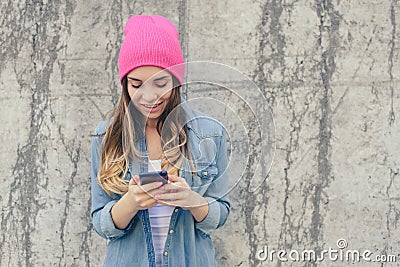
[159, 191]
[144, 189]
[176, 186]
[144, 196]
[148, 203]
[132, 181]
[168, 196]
[150, 186]
[174, 178]
[135, 179]
[170, 203]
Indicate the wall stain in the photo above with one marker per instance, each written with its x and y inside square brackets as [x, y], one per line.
[18, 221]
[270, 56]
[115, 36]
[251, 221]
[73, 153]
[183, 29]
[328, 29]
[272, 41]
[392, 116]
[393, 213]
[85, 246]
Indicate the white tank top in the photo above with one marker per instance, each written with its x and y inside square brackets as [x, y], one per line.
[160, 216]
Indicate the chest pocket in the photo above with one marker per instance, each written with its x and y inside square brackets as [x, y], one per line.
[203, 177]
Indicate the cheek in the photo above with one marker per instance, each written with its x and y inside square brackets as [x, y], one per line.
[134, 99]
[167, 94]
[133, 95]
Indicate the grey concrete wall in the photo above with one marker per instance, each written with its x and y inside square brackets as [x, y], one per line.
[329, 69]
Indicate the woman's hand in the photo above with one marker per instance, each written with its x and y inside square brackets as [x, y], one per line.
[137, 198]
[142, 196]
[178, 193]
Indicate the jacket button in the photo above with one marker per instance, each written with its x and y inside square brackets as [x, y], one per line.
[176, 210]
[171, 231]
[165, 253]
[205, 172]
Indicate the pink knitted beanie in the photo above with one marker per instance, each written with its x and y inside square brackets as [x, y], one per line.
[151, 41]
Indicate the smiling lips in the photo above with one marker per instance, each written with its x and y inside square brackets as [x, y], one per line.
[152, 106]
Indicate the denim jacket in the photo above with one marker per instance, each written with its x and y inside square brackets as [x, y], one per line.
[188, 242]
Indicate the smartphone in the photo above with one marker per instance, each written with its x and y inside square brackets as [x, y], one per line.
[151, 177]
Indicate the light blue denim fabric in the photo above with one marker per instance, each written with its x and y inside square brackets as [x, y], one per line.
[189, 243]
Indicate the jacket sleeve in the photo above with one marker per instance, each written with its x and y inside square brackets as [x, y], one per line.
[102, 203]
[217, 193]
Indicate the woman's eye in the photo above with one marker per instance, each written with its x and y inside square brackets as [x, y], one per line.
[161, 85]
[136, 86]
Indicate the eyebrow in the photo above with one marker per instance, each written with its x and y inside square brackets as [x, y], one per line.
[138, 80]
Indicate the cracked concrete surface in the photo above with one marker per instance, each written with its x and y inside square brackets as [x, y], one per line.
[330, 73]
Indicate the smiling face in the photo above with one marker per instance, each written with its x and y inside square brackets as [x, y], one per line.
[149, 88]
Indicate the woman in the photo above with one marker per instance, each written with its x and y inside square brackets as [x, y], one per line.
[153, 128]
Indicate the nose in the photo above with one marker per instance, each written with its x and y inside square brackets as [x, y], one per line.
[149, 94]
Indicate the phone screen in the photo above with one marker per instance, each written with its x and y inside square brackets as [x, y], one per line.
[151, 177]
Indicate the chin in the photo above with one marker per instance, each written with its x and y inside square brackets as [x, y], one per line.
[153, 115]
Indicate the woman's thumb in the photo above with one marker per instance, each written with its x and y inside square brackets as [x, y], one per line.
[172, 178]
[134, 180]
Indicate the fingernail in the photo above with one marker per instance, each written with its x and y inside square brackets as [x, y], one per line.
[157, 196]
[162, 188]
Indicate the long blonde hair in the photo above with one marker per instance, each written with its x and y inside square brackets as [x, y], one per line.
[121, 134]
